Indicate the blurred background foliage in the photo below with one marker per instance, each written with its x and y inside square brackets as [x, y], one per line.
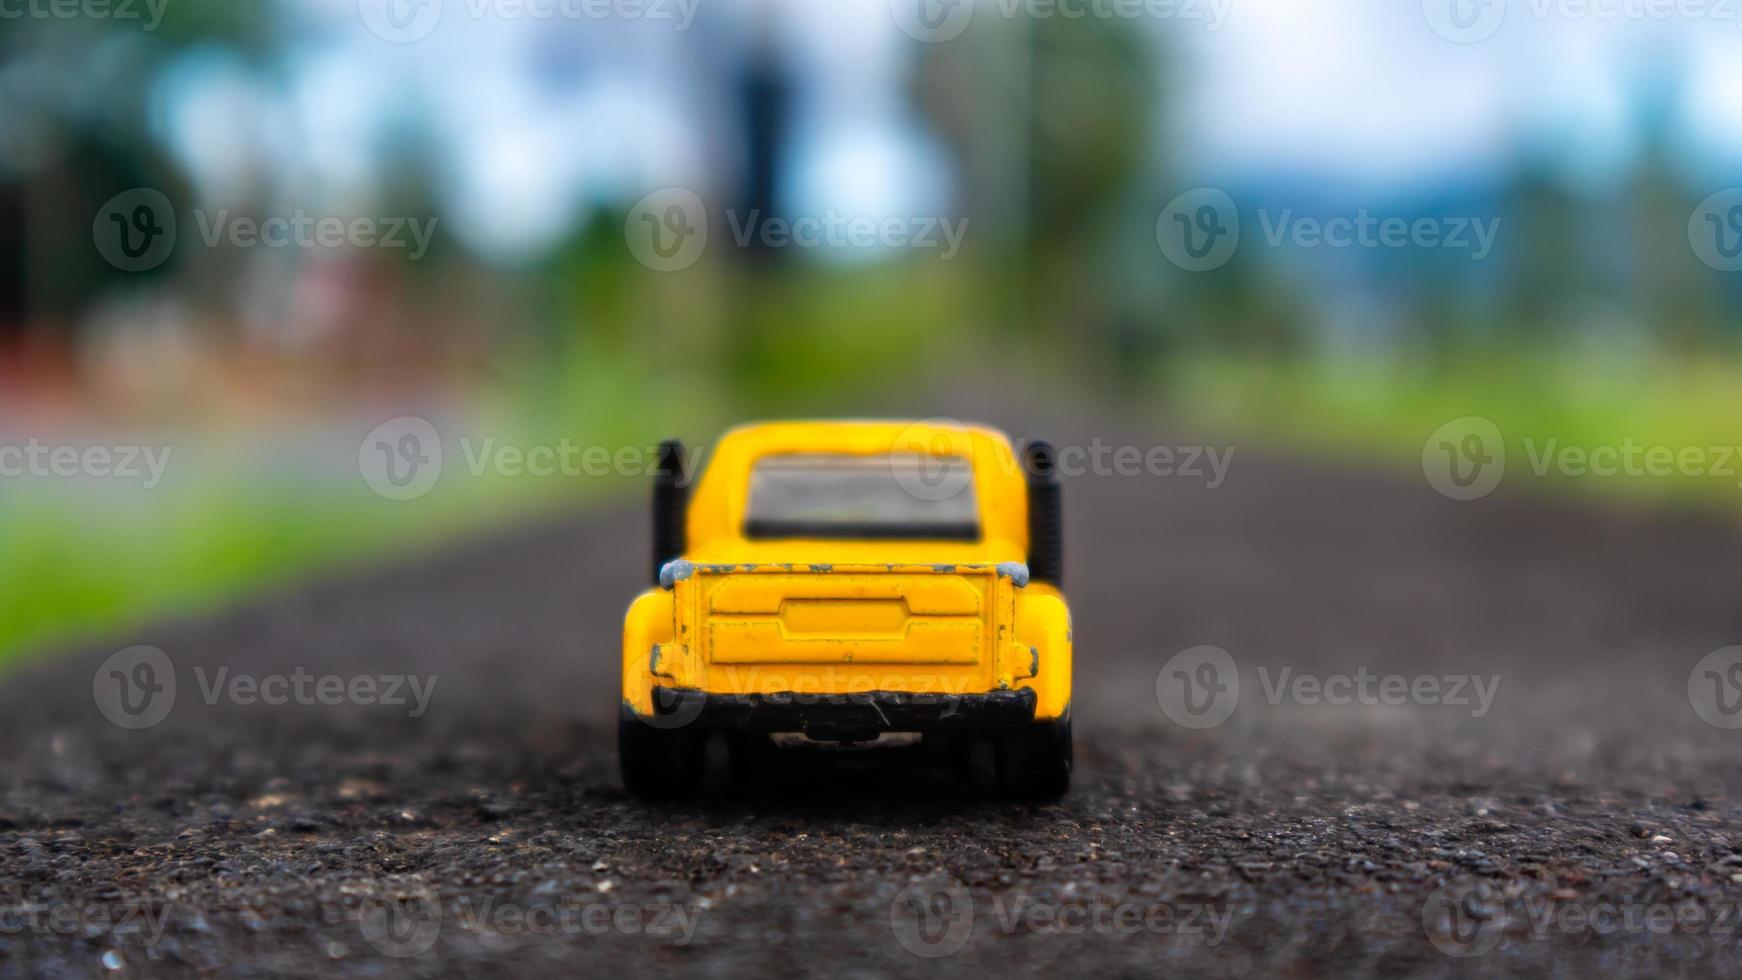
[1059, 140]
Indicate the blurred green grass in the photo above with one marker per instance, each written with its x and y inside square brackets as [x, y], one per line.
[1385, 410]
[82, 566]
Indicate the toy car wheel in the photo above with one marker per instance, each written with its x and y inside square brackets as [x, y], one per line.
[657, 763]
[1034, 762]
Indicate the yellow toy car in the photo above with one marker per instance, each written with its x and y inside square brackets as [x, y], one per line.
[844, 582]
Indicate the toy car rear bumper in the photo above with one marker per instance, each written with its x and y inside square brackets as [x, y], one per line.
[858, 716]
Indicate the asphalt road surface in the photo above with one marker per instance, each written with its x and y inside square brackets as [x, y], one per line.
[1535, 791]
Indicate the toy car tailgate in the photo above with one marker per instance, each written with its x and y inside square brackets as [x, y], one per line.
[954, 618]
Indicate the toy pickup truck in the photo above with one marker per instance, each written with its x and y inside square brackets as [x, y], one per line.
[848, 582]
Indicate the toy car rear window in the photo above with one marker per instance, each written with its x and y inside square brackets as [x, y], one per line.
[894, 496]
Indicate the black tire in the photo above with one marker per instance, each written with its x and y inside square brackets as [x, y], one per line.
[1034, 761]
[1046, 529]
[657, 763]
[670, 505]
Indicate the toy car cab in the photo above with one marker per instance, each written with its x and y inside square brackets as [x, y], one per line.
[842, 581]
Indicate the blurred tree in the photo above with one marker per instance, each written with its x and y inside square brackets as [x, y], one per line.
[79, 95]
[1549, 261]
[1049, 121]
[1677, 298]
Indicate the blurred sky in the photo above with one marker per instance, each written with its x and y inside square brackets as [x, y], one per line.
[1365, 90]
[537, 123]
